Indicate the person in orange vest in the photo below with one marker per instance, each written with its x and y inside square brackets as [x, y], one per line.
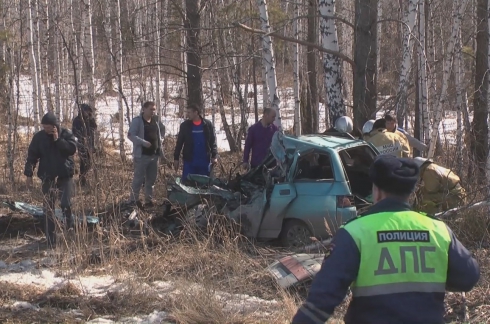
[387, 142]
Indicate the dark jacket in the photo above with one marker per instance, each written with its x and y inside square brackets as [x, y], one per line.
[84, 131]
[341, 267]
[55, 158]
[185, 140]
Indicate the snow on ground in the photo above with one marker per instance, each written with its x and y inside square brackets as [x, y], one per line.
[107, 106]
[27, 273]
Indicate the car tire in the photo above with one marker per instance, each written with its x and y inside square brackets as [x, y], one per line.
[295, 234]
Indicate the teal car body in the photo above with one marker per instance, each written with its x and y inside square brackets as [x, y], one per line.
[308, 186]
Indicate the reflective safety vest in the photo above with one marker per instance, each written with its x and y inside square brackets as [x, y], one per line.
[401, 252]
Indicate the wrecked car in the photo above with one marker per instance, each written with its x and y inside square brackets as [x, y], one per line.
[308, 186]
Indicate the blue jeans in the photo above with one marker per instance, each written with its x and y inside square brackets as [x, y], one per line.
[195, 168]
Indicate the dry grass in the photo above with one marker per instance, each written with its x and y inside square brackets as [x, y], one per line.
[219, 261]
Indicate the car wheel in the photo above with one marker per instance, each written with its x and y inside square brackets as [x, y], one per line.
[295, 234]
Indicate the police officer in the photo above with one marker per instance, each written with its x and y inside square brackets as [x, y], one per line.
[398, 263]
[387, 142]
[440, 188]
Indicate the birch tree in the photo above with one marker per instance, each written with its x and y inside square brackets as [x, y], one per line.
[459, 77]
[270, 63]
[332, 64]
[192, 25]
[118, 62]
[297, 123]
[36, 96]
[409, 24]
[458, 10]
[422, 81]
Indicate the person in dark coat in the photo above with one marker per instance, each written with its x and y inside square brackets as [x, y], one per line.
[84, 127]
[197, 140]
[53, 148]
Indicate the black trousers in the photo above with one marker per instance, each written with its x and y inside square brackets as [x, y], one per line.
[61, 188]
[85, 162]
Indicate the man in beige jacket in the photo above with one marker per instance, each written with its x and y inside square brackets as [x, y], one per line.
[388, 142]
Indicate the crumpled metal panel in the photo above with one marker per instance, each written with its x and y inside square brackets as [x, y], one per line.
[37, 211]
[294, 269]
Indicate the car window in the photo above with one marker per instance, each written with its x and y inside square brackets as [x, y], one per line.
[357, 161]
[314, 166]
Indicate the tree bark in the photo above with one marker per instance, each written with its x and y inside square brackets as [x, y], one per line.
[365, 58]
[192, 26]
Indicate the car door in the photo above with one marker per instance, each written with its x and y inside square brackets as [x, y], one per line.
[316, 201]
[281, 196]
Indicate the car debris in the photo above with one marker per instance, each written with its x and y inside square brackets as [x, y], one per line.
[304, 184]
[37, 212]
[292, 270]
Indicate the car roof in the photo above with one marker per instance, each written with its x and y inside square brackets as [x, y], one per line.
[326, 141]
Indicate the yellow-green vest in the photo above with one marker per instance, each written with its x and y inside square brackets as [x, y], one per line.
[401, 252]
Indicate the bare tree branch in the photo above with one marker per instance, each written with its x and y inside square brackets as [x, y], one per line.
[292, 40]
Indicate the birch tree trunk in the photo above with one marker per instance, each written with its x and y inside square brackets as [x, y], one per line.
[33, 63]
[119, 66]
[297, 123]
[458, 10]
[57, 67]
[422, 68]
[332, 64]
[270, 63]
[158, 76]
[459, 77]
[90, 55]
[408, 28]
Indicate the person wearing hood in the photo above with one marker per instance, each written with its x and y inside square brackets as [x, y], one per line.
[440, 188]
[53, 147]
[147, 134]
[84, 128]
[387, 142]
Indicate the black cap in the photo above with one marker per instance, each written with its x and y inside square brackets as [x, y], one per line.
[379, 123]
[49, 119]
[394, 175]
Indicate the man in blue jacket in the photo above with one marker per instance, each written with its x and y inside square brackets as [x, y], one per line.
[397, 262]
[53, 147]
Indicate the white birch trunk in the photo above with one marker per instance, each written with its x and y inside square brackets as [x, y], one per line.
[119, 66]
[408, 28]
[11, 108]
[265, 90]
[458, 10]
[183, 89]
[57, 67]
[459, 77]
[39, 71]
[422, 61]
[268, 54]
[296, 29]
[33, 62]
[158, 76]
[165, 41]
[332, 64]
[90, 56]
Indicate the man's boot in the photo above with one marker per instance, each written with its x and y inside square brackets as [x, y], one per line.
[50, 230]
[69, 219]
